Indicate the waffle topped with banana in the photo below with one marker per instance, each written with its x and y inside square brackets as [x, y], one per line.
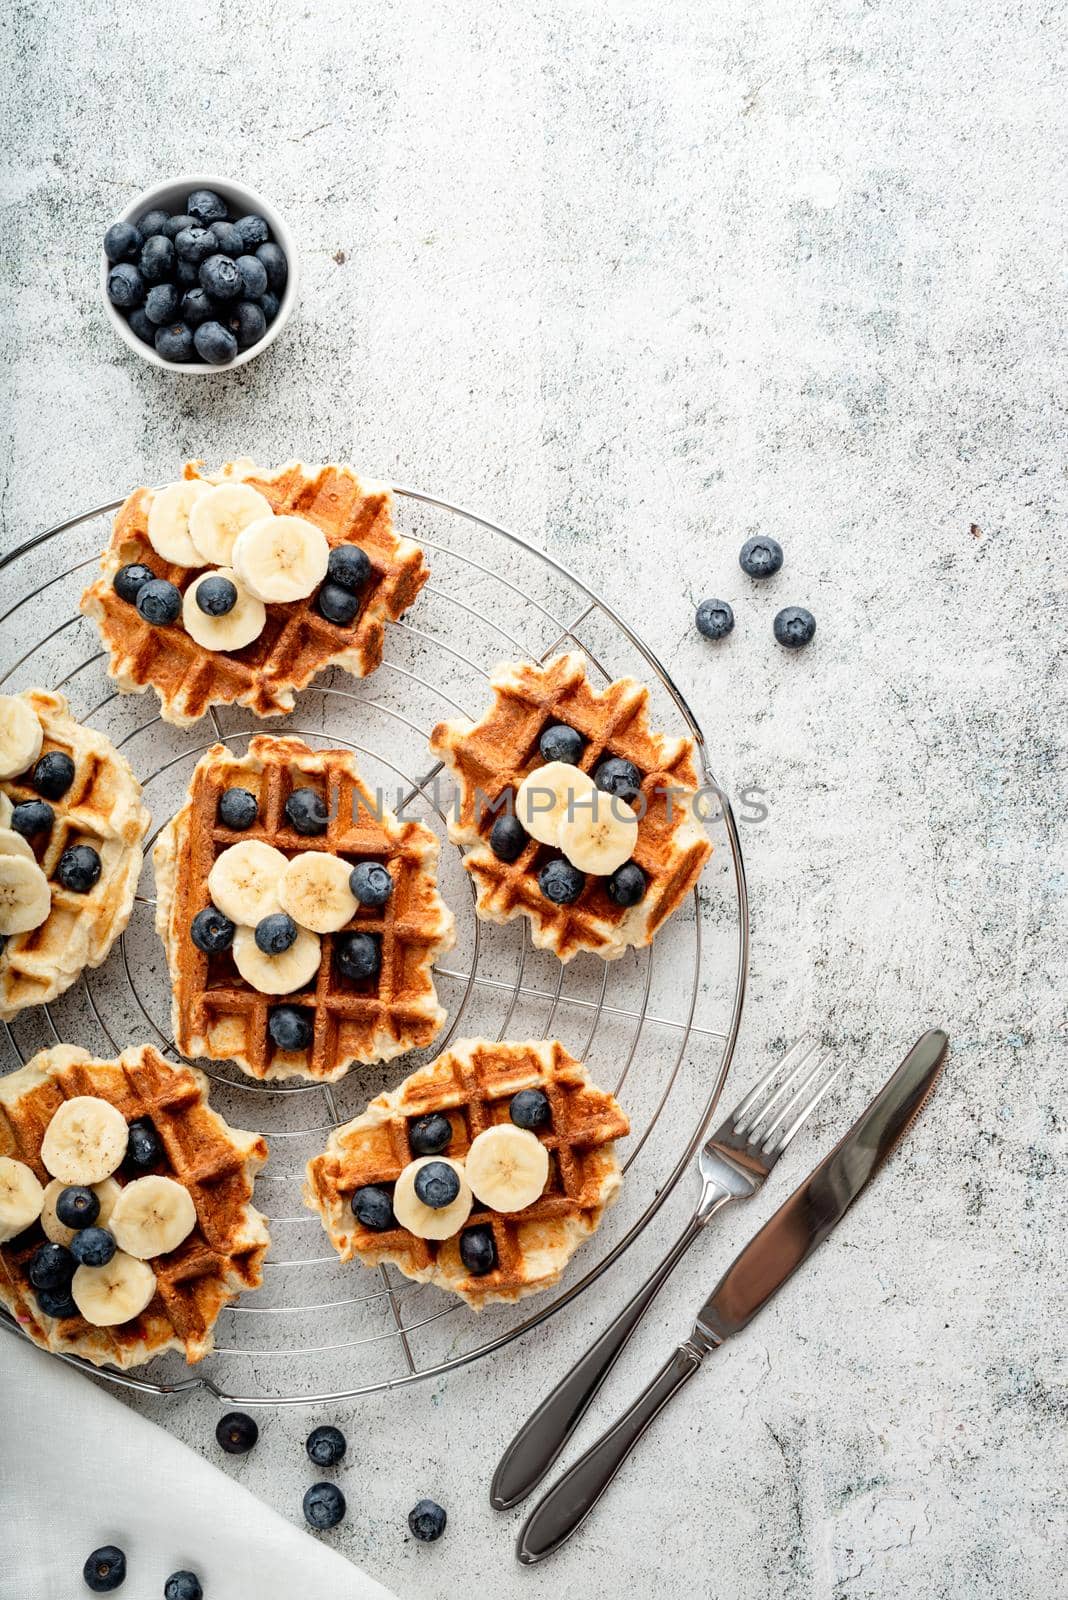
[301, 918]
[238, 587]
[572, 811]
[482, 1172]
[71, 828]
[126, 1216]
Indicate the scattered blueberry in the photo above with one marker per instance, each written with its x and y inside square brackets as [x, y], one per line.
[238, 809]
[478, 1250]
[215, 344]
[437, 1184]
[373, 1208]
[338, 605]
[270, 303]
[194, 244]
[216, 595]
[324, 1505]
[77, 1206]
[157, 259]
[57, 1302]
[760, 557]
[530, 1109]
[325, 1446]
[427, 1520]
[161, 304]
[54, 774]
[93, 1247]
[236, 1432]
[126, 287]
[561, 743]
[51, 1267]
[211, 932]
[290, 1028]
[183, 1586]
[794, 627]
[144, 1147]
[196, 307]
[627, 885]
[227, 240]
[123, 242]
[371, 883]
[358, 955]
[79, 868]
[508, 838]
[253, 276]
[206, 206]
[430, 1135]
[158, 602]
[130, 580]
[619, 777]
[307, 812]
[176, 225]
[105, 1569]
[276, 934]
[715, 619]
[220, 277]
[247, 323]
[253, 230]
[175, 342]
[348, 565]
[142, 325]
[560, 882]
[275, 263]
[32, 817]
[153, 222]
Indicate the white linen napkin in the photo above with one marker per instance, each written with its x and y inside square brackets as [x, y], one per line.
[78, 1469]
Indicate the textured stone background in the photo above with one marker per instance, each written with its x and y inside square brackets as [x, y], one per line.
[640, 280]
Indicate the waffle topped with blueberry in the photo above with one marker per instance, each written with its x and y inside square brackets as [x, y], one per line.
[301, 918]
[572, 811]
[239, 586]
[126, 1215]
[71, 826]
[482, 1172]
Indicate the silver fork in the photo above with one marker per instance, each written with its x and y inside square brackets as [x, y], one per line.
[734, 1163]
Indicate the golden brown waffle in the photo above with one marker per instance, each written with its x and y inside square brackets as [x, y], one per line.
[296, 641]
[472, 1083]
[102, 808]
[489, 760]
[216, 1163]
[215, 1012]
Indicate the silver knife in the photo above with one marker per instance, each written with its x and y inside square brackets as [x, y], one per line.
[762, 1267]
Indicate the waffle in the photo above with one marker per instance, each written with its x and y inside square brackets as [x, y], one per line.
[215, 1012]
[216, 1163]
[472, 1083]
[102, 808]
[490, 758]
[296, 641]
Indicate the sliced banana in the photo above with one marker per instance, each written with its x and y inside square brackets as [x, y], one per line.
[7, 810]
[168, 522]
[507, 1167]
[244, 881]
[21, 1197]
[152, 1216]
[232, 631]
[21, 736]
[315, 891]
[106, 1296]
[281, 558]
[13, 844]
[601, 840]
[545, 796]
[106, 1192]
[216, 518]
[293, 969]
[25, 897]
[85, 1141]
[426, 1222]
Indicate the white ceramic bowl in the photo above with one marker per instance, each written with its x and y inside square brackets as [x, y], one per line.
[171, 197]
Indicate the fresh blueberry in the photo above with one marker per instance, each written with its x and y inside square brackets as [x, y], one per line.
[206, 206]
[337, 605]
[437, 1184]
[373, 1208]
[144, 1147]
[77, 1206]
[211, 932]
[130, 580]
[175, 342]
[427, 1520]
[57, 1302]
[51, 1267]
[794, 627]
[126, 287]
[324, 1505]
[79, 868]
[371, 883]
[530, 1109]
[186, 274]
[348, 566]
[715, 619]
[253, 230]
[269, 303]
[93, 1247]
[275, 262]
[238, 809]
[290, 1028]
[325, 1446]
[561, 743]
[176, 225]
[619, 777]
[157, 259]
[196, 307]
[53, 774]
[227, 239]
[560, 882]
[253, 275]
[236, 1432]
[358, 955]
[247, 323]
[276, 934]
[161, 304]
[508, 838]
[216, 595]
[215, 344]
[430, 1135]
[307, 812]
[183, 1586]
[159, 602]
[627, 885]
[142, 325]
[153, 222]
[478, 1250]
[105, 1569]
[760, 557]
[32, 817]
[220, 277]
[123, 242]
[194, 244]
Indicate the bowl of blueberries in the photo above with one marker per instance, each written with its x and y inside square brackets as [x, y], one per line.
[198, 274]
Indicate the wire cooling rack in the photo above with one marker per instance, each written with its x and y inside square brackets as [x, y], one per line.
[657, 1027]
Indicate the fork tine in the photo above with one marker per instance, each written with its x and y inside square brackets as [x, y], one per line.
[744, 1118]
[779, 1143]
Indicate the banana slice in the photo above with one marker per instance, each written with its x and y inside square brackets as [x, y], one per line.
[424, 1221]
[152, 1216]
[315, 891]
[293, 969]
[168, 522]
[21, 1197]
[13, 844]
[85, 1141]
[7, 810]
[545, 795]
[281, 558]
[231, 631]
[216, 519]
[106, 1296]
[106, 1192]
[21, 736]
[600, 841]
[25, 898]
[244, 881]
[507, 1167]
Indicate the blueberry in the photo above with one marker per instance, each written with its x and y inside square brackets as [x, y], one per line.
[32, 817]
[176, 225]
[193, 244]
[93, 1247]
[161, 304]
[437, 1184]
[275, 262]
[324, 1505]
[183, 1586]
[247, 323]
[253, 275]
[619, 777]
[253, 230]
[238, 809]
[79, 868]
[358, 955]
[276, 934]
[51, 1267]
[371, 883]
[216, 595]
[130, 580]
[236, 1432]
[715, 619]
[760, 557]
[508, 838]
[57, 1302]
[290, 1028]
[142, 325]
[175, 342]
[307, 812]
[560, 882]
[220, 277]
[123, 242]
[53, 774]
[105, 1569]
[211, 932]
[627, 885]
[269, 304]
[227, 239]
[196, 307]
[206, 206]
[153, 222]
[373, 1208]
[427, 1520]
[561, 743]
[126, 287]
[77, 1206]
[215, 344]
[158, 602]
[430, 1135]
[325, 1446]
[530, 1109]
[337, 605]
[185, 274]
[157, 259]
[144, 1147]
[348, 566]
[478, 1250]
[794, 627]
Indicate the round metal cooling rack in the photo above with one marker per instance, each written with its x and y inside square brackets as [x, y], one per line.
[657, 1027]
